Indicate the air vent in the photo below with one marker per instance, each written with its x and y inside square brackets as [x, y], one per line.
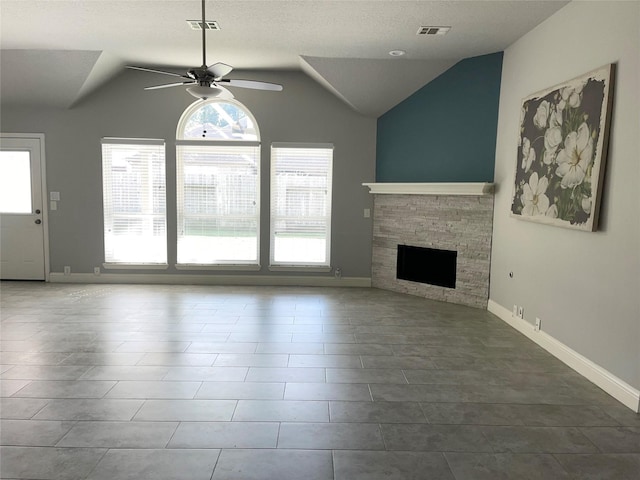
[208, 25]
[433, 30]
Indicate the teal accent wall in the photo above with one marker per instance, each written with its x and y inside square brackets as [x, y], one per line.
[446, 131]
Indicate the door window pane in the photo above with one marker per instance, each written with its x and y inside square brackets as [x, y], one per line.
[15, 182]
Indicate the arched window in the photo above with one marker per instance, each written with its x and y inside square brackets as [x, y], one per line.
[218, 185]
[217, 120]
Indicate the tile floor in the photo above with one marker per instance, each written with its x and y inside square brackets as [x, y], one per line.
[176, 382]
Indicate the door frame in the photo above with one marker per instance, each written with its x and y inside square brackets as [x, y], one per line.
[45, 197]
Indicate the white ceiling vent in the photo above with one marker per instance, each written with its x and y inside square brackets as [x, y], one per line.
[433, 30]
[208, 25]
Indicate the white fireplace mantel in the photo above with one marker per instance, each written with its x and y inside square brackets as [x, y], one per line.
[465, 188]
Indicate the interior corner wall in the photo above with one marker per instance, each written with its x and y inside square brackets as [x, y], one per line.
[446, 131]
[303, 112]
[584, 286]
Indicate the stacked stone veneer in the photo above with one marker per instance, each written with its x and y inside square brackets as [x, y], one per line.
[449, 222]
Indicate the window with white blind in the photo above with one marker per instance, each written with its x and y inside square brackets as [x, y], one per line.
[301, 178]
[218, 186]
[134, 199]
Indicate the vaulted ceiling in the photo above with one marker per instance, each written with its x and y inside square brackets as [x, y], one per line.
[56, 52]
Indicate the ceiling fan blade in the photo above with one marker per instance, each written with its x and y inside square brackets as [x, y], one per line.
[156, 87]
[252, 84]
[219, 70]
[143, 69]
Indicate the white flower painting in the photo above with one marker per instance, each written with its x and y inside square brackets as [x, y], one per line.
[533, 197]
[562, 150]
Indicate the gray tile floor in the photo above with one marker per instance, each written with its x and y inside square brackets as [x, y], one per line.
[176, 382]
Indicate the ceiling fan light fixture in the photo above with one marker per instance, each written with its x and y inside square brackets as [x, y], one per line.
[204, 92]
[204, 80]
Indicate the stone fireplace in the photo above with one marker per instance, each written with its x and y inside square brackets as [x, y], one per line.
[454, 217]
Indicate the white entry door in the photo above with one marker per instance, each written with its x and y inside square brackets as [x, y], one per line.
[22, 216]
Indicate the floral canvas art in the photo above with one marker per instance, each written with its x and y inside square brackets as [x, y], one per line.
[562, 149]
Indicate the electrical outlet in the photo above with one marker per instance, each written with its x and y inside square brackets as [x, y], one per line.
[96, 270]
[367, 213]
[514, 313]
[537, 326]
[67, 270]
[338, 272]
[521, 312]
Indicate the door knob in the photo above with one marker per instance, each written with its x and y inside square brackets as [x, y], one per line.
[38, 222]
[38, 212]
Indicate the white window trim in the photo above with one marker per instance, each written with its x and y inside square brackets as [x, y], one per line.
[249, 267]
[181, 141]
[135, 266]
[135, 141]
[302, 266]
[132, 141]
[222, 143]
[196, 106]
[302, 145]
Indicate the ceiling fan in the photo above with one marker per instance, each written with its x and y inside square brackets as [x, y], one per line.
[208, 82]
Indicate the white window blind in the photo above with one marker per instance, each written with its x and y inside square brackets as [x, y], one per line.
[301, 178]
[134, 198]
[218, 192]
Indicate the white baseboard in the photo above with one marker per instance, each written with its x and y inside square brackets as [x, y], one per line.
[604, 379]
[184, 279]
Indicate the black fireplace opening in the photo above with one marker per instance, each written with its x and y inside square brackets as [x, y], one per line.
[427, 265]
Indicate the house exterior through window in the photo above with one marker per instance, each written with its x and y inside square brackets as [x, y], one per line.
[218, 186]
[217, 196]
[134, 201]
[301, 190]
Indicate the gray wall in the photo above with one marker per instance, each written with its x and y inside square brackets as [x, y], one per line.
[303, 112]
[585, 287]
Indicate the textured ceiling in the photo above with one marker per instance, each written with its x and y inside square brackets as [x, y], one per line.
[75, 46]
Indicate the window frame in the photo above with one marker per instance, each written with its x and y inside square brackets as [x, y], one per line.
[107, 204]
[307, 266]
[182, 141]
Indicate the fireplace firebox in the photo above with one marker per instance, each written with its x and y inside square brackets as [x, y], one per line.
[427, 265]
